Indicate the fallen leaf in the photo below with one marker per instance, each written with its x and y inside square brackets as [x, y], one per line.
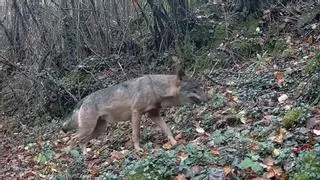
[182, 155]
[194, 169]
[94, 172]
[167, 146]
[180, 177]
[201, 112]
[270, 174]
[279, 77]
[280, 136]
[215, 151]
[242, 115]
[313, 121]
[276, 152]
[227, 170]
[29, 174]
[210, 93]
[268, 161]
[283, 98]
[316, 132]
[116, 156]
[200, 130]
[65, 139]
[311, 39]
[234, 99]
[301, 148]
[274, 171]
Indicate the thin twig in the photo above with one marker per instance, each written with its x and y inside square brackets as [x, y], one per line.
[64, 88]
[214, 81]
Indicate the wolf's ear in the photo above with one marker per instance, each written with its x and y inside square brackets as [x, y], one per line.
[180, 73]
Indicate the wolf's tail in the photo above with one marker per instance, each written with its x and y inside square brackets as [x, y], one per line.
[73, 119]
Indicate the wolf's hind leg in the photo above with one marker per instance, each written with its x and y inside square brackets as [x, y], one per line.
[100, 127]
[155, 117]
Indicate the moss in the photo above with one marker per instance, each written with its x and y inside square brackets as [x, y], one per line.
[292, 117]
[219, 34]
[248, 27]
[277, 47]
[202, 64]
[136, 177]
[308, 165]
[184, 50]
[202, 34]
[274, 30]
[242, 48]
[288, 52]
[313, 65]
[77, 80]
[245, 48]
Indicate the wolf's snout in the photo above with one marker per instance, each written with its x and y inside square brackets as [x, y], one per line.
[64, 128]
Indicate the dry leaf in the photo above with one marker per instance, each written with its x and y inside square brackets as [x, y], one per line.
[65, 139]
[276, 152]
[316, 132]
[279, 137]
[182, 156]
[116, 155]
[181, 177]
[194, 169]
[270, 174]
[274, 171]
[234, 99]
[167, 146]
[311, 39]
[210, 93]
[201, 112]
[94, 172]
[279, 77]
[283, 98]
[215, 151]
[268, 161]
[227, 170]
[200, 130]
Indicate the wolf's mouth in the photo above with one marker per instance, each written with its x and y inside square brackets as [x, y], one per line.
[195, 100]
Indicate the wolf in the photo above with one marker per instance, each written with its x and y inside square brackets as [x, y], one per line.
[130, 100]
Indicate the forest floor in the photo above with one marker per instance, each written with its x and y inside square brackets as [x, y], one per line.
[253, 126]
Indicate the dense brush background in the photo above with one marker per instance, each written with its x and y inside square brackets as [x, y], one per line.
[248, 53]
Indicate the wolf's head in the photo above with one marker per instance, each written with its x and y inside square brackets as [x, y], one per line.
[191, 91]
[71, 122]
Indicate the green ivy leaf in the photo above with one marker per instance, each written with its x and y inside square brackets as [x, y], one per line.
[248, 163]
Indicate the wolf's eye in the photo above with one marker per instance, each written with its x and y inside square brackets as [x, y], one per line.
[194, 91]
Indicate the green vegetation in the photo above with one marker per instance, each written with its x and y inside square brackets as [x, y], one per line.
[308, 165]
[292, 117]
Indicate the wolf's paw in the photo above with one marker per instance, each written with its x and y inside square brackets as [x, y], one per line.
[174, 143]
[139, 150]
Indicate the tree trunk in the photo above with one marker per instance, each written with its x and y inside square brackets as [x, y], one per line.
[247, 7]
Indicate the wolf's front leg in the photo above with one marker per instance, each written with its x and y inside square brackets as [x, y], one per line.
[136, 116]
[162, 124]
